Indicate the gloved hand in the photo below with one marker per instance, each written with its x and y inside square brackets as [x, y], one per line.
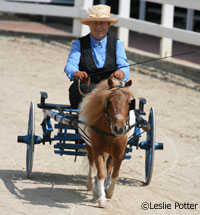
[81, 75]
[118, 74]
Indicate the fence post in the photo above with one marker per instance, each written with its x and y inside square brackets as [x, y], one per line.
[167, 21]
[142, 10]
[79, 29]
[190, 18]
[124, 11]
[103, 2]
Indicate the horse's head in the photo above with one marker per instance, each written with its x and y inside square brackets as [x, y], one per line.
[117, 106]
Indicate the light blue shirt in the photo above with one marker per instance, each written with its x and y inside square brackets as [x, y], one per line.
[99, 56]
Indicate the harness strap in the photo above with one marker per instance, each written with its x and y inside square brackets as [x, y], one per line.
[74, 121]
[98, 130]
[101, 131]
[119, 86]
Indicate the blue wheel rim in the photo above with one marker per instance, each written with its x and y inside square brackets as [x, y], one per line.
[30, 144]
[149, 155]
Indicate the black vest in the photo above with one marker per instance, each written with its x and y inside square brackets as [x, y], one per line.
[87, 63]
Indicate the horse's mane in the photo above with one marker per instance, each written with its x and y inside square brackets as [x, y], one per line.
[93, 105]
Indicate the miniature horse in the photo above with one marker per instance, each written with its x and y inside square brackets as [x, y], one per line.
[105, 111]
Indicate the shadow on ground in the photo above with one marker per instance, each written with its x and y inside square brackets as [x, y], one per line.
[50, 189]
[45, 188]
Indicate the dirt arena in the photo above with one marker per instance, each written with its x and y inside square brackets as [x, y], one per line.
[28, 66]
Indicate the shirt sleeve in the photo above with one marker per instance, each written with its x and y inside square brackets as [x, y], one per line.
[73, 60]
[121, 60]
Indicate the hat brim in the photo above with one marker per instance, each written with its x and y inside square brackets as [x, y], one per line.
[86, 21]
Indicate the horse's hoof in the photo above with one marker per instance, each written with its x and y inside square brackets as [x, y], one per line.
[102, 203]
[109, 195]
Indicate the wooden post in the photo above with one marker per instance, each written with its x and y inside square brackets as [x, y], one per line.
[190, 18]
[79, 29]
[142, 10]
[167, 21]
[124, 11]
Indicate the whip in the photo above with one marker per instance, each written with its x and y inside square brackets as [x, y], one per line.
[143, 62]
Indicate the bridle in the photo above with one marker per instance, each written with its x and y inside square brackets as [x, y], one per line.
[108, 118]
[107, 103]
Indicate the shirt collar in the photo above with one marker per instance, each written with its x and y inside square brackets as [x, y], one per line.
[98, 42]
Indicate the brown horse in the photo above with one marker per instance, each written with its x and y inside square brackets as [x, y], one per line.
[105, 111]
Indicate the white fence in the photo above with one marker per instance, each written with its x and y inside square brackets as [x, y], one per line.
[165, 30]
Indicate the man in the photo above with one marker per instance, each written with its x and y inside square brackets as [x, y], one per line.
[97, 55]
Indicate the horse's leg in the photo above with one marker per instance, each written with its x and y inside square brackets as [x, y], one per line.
[90, 178]
[115, 175]
[109, 165]
[100, 179]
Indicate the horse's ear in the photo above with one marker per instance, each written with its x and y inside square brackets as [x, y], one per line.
[110, 83]
[128, 83]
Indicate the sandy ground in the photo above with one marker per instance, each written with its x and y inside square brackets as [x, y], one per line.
[58, 184]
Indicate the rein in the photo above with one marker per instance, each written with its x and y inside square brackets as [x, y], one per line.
[87, 87]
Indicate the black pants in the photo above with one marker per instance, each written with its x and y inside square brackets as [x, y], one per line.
[75, 97]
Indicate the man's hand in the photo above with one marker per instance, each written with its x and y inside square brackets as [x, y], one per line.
[119, 74]
[82, 76]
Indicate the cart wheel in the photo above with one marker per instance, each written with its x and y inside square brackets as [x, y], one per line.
[149, 155]
[30, 144]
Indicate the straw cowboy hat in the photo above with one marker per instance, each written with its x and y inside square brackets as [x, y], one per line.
[99, 13]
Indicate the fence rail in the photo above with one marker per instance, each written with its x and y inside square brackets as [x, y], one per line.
[165, 30]
[40, 9]
[159, 30]
[192, 4]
